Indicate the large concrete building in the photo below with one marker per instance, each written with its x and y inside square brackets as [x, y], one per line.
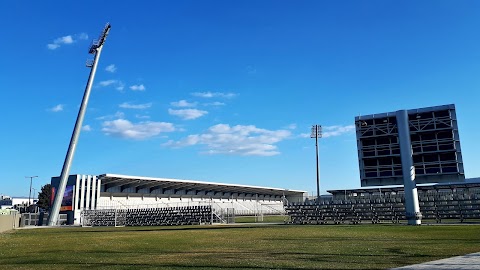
[435, 143]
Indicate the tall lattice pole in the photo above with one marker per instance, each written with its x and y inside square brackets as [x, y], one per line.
[95, 49]
[317, 133]
[30, 193]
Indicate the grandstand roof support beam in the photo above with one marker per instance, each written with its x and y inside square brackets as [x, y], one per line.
[123, 187]
[152, 189]
[149, 185]
[107, 186]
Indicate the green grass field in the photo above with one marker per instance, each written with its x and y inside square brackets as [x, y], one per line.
[235, 247]
[266, 219]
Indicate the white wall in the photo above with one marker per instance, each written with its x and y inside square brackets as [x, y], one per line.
[242, 207]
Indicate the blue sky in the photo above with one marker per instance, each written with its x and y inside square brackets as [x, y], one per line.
[226, 91]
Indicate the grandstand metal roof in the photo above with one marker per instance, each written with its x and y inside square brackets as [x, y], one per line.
[469, 183]
[411, 111]
[113, 180]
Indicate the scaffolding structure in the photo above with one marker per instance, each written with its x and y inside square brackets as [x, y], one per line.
[435, 145]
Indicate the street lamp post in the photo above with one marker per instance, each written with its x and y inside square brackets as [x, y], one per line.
[317, 133]
[30, 194]
[33, 198]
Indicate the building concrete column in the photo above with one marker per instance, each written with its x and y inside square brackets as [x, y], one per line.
[89, 191]
[77, 189]
[82, 193]
[412, 208]
[99, 187]
[94, 192]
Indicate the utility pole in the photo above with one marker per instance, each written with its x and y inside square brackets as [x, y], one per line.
[95, 49]
[30, 193]
[317, 133]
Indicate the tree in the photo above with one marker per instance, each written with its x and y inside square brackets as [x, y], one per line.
[44, 197]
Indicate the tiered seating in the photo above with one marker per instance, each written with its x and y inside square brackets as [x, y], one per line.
[98, 217]
[438, 206]
[470, 206]
[149, 216]
[336, 212]
[458, 206]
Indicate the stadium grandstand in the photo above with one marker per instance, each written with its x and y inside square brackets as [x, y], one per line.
[112, 199]
[442, 192]
[452, 202]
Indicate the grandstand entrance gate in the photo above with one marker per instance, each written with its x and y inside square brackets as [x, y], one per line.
[120, 218]
[227, 215]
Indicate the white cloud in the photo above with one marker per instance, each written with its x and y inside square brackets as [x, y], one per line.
[187, 114]
[332, 131]
[111, 68]
[214, 94]
[57, 108]
[87, 128]
[237, 140]
[52, 46]
[139, 87]
[111, 116]
[183, 103]
[118, 85]
[69, 39]
[143, 130]
[214, 104]
[139, 116]
[83, 36]
[119, 115]
[292, 126]
[107, 82]
[127, 105]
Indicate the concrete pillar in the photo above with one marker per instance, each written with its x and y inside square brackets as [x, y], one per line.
[77, 193]
[99, 186]
[94, 192]
[412, 208]
[82, 193]
[88, 191]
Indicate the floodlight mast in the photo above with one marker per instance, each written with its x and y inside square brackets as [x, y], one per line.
[95, 49]
[317, 133]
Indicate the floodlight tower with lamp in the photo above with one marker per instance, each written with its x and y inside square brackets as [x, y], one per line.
[95, 49]
[30, 193]
[317, 133]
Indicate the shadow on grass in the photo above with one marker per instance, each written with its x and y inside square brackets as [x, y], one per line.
[396, 257]
[162, 228]
[37, 264]
[383, 240]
